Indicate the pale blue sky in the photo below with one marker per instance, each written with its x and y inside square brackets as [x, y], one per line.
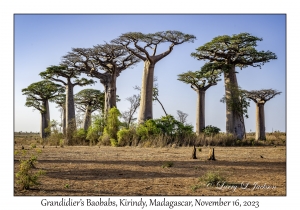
[41, 41]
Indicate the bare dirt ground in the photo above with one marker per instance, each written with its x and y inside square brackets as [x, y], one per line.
[133, 171]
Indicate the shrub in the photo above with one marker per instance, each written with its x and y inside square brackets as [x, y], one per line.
[61, 143]
[167, 164]
[124, 137]
[79, 136]
[26, 177]
[54, 139]
[105, 139]
[32, 145]
[212, 178]
[113, 122]
[113, 142]
[147, 129]
[211, 130]
[95, 130]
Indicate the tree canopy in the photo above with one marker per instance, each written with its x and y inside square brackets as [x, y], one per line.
[53, 72]
[238, 49]
[40, 91]
[139, 43]
[92, 98]
[208, 76]
[261, 96]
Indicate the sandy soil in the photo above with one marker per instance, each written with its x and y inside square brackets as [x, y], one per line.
[133, 171]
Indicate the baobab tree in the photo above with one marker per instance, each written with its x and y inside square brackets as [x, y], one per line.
[88, 101]
[237, 50]
[60, 100]
[104, 62]
[38, 95]
[138, 44]
[200, 81]
[240, 106]
[54, 73]
[260, 97]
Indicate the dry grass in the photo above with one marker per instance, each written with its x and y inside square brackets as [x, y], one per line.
[126, 171]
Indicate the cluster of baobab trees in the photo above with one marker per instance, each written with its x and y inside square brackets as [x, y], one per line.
[106, 62]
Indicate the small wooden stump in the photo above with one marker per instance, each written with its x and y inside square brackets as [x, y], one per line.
[211, 155]
[194, 153]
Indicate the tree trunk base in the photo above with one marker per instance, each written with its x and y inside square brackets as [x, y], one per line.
[194, 153]
[211, 155]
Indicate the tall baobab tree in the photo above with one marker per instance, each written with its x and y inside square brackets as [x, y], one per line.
[138, 44]
[104, 62]
[55, 73]
[60, 100]
[239, 106]
[237, 50]
[260, 97]
[88, 101]
[200, 81]
[38, 95]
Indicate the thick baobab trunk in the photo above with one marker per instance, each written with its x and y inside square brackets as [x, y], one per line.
[234, 120]
[87, 118]
[200, 112]
[70, 112]
[45, 119]
[43, 125]
[146, 111]
[260, 122]
[47, 111]
[110, 90]
[64, 120]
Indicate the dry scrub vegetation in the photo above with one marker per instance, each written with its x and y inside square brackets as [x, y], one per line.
[140, 171]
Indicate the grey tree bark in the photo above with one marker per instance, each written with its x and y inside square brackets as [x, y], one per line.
[200, 112]
[64, 120]
[260, 122]
[70, 110]
[146, 107]
[45, 118]
[47, 112]
[110, 89]
[87, 118]
[260, 97]
[234, 120]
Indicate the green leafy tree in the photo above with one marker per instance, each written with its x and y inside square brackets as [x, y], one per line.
[38, 95]
[70, 78]
[104, 62]
[200, 81]
[112, 124]
[260, 97]
[211, 130]
[96, 129]
[238, 50]
[144, 47]
[88, 101]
